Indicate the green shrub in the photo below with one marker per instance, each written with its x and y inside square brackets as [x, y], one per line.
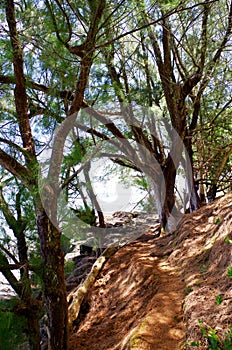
[229, 272]
[12, 327]
[219, 299]
[69, 268]
[214, 341]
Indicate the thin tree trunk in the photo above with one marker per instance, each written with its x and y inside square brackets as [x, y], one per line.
[94, 200]
[194, 197]
[212, 192]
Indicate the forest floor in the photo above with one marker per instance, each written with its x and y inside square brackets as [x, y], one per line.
[151, 294]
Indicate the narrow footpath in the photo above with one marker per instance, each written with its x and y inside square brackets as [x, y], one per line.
[136, 302]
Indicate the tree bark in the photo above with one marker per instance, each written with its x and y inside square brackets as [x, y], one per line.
[169, 201]
[33, 308]
[53, 281]
[52, 255]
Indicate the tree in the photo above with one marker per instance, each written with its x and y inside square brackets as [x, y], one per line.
[14, 258]
[184, 75]
[26, 167]
[86, 68]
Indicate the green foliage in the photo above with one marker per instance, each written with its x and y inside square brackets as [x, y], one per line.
[229, 272]
[141, 182]
[12, 326]
[214, 341]
[66, 244]
[50, 29]
[228, 240]
[167, 4]
[86, 215]
[68, 268]
[227, 341]
[77, 153]
[203, 270]
[219, 299]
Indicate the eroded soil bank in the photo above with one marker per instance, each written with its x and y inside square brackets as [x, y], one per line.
[152, 292]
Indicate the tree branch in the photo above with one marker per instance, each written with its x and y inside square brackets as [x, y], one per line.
[11, 256]
[152, 23]
[69, 122]
[6, 271]
[16, 169]
[196, 77]
[20, 86]
[14, 145]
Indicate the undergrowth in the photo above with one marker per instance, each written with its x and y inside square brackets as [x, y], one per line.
[214, 341]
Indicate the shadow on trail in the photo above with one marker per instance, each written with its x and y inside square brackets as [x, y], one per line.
[136, 303]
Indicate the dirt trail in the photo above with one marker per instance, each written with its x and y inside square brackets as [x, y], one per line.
[152, 292]
[163, 327]
[135, 304]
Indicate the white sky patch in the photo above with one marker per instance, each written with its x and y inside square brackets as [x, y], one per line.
[112, 194]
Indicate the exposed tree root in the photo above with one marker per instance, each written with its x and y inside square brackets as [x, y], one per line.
[76, 298]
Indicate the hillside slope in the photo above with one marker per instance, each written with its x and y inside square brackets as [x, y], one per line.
[152, 292]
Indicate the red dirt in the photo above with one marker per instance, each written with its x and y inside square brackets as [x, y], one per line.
[152, 292]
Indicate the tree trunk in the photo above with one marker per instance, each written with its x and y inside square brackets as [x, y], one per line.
[168, 218]
[53, 282]
[194, 197]
[33, 327]
[212, 192]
